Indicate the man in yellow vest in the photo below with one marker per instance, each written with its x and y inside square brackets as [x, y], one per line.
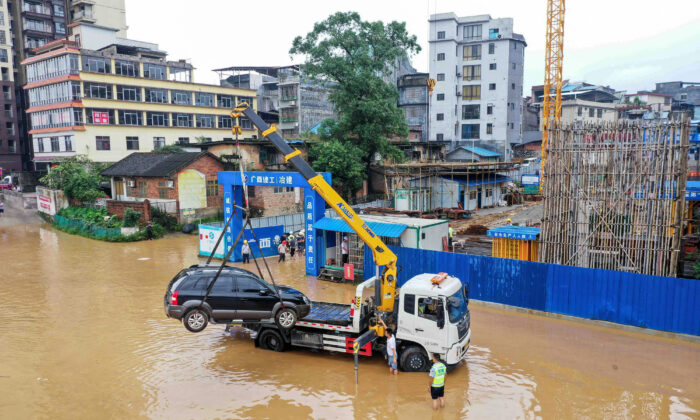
[437, 382]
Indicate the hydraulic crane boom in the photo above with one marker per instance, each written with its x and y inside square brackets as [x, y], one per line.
[383, 256]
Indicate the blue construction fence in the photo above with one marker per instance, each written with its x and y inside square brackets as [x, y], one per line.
[660, 303]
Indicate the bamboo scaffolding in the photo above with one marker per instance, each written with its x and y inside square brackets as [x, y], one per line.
[615, 195]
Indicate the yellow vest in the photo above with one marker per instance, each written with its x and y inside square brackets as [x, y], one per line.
[439, 378]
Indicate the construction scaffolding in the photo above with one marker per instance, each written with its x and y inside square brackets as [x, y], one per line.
[615, 195]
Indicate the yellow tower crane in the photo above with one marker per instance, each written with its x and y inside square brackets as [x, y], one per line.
[553, 60]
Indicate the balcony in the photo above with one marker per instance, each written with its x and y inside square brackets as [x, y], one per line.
[79, 2]
[289, 120]
[36, 9]
[84, 16]
[288, 99]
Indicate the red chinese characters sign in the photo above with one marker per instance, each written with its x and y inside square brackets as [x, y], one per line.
[349, 272]
[100, 117]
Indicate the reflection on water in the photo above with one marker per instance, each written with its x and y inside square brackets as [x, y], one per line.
[83, 335]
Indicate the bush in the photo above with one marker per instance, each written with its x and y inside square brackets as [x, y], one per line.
[163, 219]
[98, 217]
[131, 217]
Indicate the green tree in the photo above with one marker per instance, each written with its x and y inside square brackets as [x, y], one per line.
[78, 177]
[354, 58]
[171, 148]
[343, 161]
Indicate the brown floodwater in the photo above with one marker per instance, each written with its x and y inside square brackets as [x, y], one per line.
[83, 335]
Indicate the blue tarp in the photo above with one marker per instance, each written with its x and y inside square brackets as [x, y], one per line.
[481, 151]
[388, 230]
[514, 232]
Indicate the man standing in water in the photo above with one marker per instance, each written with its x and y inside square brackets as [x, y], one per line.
[245, 252]
[282, 249]
[437, 382]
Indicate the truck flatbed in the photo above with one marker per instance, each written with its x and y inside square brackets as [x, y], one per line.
[329, 313]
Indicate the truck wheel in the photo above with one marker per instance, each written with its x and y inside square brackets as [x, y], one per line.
[286, 318]
[413, 359]
[271, 340]
[195, 320]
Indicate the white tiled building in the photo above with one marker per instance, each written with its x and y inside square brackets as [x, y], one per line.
[478, 64]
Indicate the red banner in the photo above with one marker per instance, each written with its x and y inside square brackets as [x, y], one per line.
[349, 272]
[100, 117]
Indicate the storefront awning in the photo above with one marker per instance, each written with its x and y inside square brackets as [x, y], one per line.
[388, 230]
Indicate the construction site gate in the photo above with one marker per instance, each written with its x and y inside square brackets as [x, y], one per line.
[314, 209]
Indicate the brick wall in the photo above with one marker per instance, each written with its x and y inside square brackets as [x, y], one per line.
[275, 204]
[119, 207]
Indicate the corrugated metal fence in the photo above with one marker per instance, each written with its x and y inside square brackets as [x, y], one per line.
[660, 303]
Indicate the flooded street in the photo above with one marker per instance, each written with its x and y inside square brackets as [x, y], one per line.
[83, 335]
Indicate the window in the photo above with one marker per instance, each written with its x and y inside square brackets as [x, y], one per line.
[3, 40]
[440, 77]
[3, 55]
[96, 64]
[489, 192]
[40, 145]
[102, 142]
[54, 144]
[157, 119]
[441, 57]
[184, 140]
[158, 96]
[440, 117]
[132, 143]
[470, 92]
[471, 72]
[492, 86]
[60, 28]
[510, 125]
[515, 46]
[212, 188]
[489, 128]
[158, 142]
[684, 96]
[409, 304]
[142, 187]
[225, 121]
[493, 34]
[600, 112]
[492, 66]
[182, 120]
[249, 285]
[470, 112]
[441, 35]
[129, 93]
[512, 86]
[470, 131]
[489, 109]
[513, 66]
[205, 121]
[130, 117]
[492, 48]
[251, 191]
[580, 111]
[99, 116]
[58, 10]
[591, 112]
[472, 195]
[471, 52]
[472, 32]
[204, 99]
[98, 90]
[226, 101]
[440, 96]
[427, 308]
[68, 142]
[126, 68]
[181, 97]
[164, 193]
[153, 71]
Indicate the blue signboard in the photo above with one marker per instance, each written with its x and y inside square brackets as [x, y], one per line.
[314, 208]
[530, 179]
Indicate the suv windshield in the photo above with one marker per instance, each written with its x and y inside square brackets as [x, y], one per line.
[457, 306]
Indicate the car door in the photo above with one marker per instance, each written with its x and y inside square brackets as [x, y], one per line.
[424, 328]
[222, 299]
[256, 299]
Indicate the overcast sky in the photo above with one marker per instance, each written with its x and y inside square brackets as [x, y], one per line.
[626, 44]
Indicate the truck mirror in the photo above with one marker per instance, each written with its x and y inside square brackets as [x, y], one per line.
[440, 315]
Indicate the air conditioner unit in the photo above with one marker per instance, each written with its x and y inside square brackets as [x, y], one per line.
[131, 183]
[170, 184]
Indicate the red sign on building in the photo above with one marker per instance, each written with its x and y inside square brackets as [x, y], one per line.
[100, 117]
[349, 272]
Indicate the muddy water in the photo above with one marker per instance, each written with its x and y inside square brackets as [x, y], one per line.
[83, 335]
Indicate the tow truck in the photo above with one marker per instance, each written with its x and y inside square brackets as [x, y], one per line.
[430, 312]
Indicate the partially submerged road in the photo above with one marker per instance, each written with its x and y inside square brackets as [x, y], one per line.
[83, 335]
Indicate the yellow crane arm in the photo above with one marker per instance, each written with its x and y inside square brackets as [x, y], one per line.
[383, 256]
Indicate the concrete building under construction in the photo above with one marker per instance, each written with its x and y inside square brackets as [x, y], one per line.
[614, 196]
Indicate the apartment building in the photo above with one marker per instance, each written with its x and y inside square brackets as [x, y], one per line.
[581, 102]
[108, 13]
[477, 62]
[10, 150]
[104, 96]
[302, 103]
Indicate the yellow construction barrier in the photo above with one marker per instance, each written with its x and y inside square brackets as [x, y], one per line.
[514, 242]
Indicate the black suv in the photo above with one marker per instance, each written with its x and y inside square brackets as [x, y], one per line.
[237, 295]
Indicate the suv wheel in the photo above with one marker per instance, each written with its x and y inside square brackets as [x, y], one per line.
[195, 320]
[413, 359]
[286, 318]
[271, 340]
